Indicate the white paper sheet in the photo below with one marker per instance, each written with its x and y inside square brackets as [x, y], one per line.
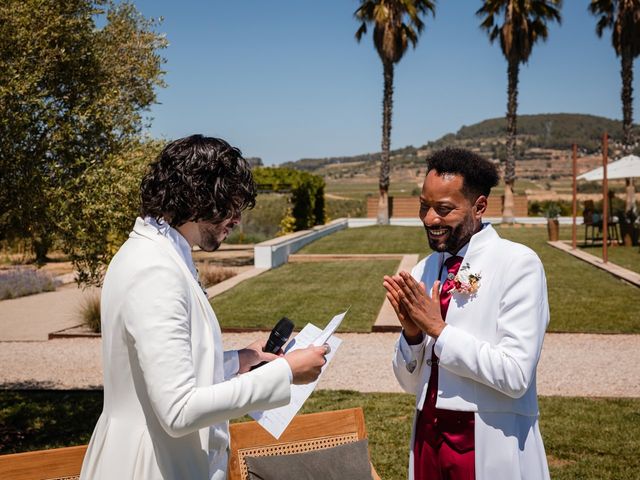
[275, 421]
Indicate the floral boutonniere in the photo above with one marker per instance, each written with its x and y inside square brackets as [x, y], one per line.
[465, 281]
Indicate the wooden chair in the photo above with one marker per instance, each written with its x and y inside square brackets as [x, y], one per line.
[314, 431]
[53, 464]
[592, 222]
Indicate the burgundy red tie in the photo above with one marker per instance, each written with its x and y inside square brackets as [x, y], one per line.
[435, 426]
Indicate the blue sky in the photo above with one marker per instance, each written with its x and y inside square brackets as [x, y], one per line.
[285, 79]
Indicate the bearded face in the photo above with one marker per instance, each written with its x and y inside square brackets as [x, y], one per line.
[450, 218]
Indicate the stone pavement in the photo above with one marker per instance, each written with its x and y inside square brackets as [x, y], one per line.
[33, 317]
[571, 365]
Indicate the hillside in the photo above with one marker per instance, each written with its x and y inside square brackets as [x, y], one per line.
[543, 137]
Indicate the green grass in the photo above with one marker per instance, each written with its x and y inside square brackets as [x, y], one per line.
[308, 292]
[582, 298]
[626, 257]
[357, 189]
[585, 438]
[387, 239]
[39, 419]
[588, 438]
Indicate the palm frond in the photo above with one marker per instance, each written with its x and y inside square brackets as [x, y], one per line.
[396, 24]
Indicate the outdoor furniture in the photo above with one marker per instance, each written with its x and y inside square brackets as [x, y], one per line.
[53, 464]
[306, 433]
[592, 222]
[311, 432]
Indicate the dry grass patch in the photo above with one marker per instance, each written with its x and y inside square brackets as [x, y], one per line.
[212, 274]
[89, 311]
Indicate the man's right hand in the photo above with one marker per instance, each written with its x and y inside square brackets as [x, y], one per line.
[410, 330]
[306, 363]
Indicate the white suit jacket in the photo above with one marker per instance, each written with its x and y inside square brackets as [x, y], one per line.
[166, 400]
[488, 353]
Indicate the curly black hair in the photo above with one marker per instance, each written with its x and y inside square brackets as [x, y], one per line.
[197, 178]
[478, 173]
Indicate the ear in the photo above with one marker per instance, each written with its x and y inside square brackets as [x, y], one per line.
[480, 206]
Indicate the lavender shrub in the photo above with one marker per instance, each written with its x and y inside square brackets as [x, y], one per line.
[18, 282]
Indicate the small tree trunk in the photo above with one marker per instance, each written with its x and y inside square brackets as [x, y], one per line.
[626, 71]
[387, 106]
[41, 245]
[510, 163]
[630, 200]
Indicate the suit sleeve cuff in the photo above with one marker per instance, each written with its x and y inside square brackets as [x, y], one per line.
[441, 340]
[410, 353]
[231, 363]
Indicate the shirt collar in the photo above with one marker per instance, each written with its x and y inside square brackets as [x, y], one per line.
[178, 242]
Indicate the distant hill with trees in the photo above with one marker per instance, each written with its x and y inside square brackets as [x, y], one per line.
[556, 131]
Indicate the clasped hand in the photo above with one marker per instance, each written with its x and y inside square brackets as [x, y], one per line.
[416, 311]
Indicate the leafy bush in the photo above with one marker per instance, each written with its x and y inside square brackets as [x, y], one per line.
[550, 208]
[288, 223]
[89, 311]
[307, 193]
[20, 281]
[553, 210]
[263, 221]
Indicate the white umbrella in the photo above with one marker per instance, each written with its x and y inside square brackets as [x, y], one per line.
[626, 167]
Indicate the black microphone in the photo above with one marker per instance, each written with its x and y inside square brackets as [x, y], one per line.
[278, 337]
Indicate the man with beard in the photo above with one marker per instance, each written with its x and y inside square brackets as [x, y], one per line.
[169, 388]
[473, 315]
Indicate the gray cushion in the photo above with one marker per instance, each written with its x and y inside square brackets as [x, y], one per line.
[344, 462]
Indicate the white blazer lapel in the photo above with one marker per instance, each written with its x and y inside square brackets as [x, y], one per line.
[478, 261]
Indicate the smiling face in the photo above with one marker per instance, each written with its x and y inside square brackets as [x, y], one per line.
[450, 218]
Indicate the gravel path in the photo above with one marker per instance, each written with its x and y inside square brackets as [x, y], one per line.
[571, 365]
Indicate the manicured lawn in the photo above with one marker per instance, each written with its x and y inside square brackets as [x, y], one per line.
[359, 190]
[308, 292]
[626, 257]
[582, 298]
[387, 239]
[590, 439]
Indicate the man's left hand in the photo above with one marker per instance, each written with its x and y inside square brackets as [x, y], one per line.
[422, 309]
[252, 355]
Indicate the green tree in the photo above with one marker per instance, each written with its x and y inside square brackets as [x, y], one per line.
[75, 80]
[623, 18]
[307, 195]
[391, 38]
[524, 22]
[99, 214]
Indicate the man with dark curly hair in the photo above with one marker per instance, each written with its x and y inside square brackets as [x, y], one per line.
[169, 388]
[473, 316]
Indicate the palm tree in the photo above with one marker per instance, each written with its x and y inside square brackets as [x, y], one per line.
[391, 37]
[524, 23]
[623, 18]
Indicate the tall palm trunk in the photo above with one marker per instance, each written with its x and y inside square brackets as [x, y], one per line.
[626, 72]
[510, 164]
[387, 106]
